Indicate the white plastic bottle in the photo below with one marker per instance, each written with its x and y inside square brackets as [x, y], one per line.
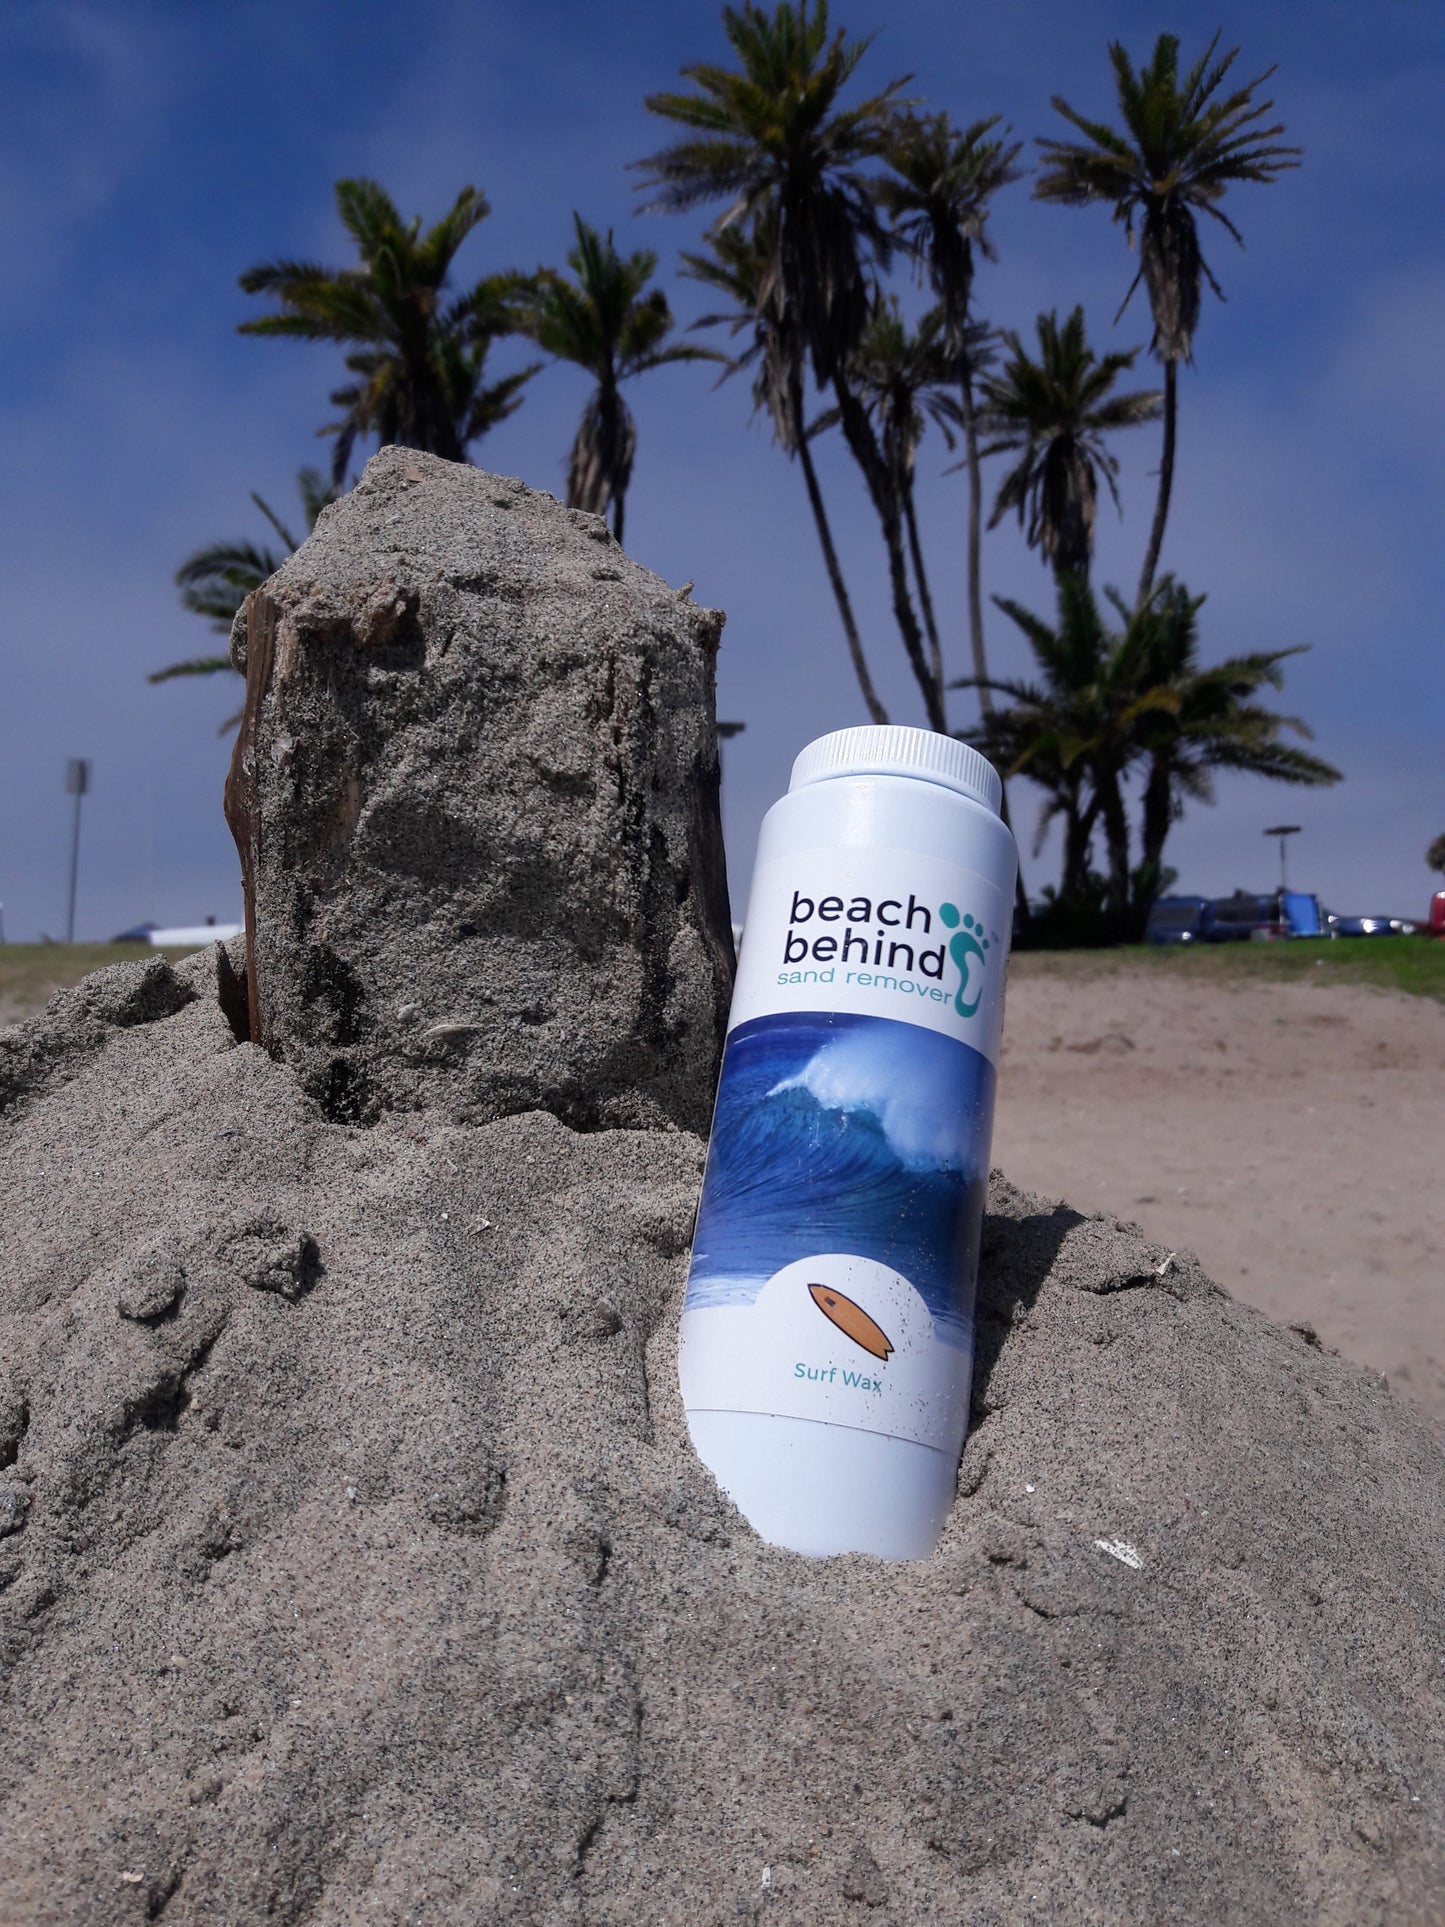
[827, 1334]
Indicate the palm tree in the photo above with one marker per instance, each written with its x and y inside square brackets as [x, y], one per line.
[419, 359]
[604, 323]
[737, 266]
[904, 381]
[1199, 720]
[216, 580]
[938, 196]
[1053, 414]
[1108, 701]
[1182, 149]
[770, 141]
[1067, 731]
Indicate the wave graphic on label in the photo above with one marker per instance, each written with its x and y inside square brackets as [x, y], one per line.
[851, 1320]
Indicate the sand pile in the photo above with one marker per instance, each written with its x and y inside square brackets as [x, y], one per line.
[354, 1562]
[357, 1566]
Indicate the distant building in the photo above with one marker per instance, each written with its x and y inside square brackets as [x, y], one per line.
[192, 936]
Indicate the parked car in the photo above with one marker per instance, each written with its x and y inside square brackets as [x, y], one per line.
[1436, 926]
[1369, 926]
[1263, 917]
[1176, 920]
[1238, 918]
[141, 933]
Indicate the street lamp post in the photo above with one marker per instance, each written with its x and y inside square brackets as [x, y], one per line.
[1283, 831]
[77, 782]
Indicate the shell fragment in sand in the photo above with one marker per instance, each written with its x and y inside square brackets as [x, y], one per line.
[1121, 1550]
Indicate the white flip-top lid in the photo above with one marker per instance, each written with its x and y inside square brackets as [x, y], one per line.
[888, 749]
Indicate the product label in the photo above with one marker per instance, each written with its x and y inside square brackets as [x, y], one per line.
[885, 933]
[834, 1262]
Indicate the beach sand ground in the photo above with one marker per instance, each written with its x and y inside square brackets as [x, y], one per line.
[1292, 1134]
[355, 1563]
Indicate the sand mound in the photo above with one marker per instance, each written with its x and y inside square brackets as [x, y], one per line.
[356, 1566]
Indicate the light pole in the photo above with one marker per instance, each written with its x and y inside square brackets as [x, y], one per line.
[1282, 831]
[77, 782]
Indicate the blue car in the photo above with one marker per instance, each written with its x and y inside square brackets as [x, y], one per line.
[1370, 926]
[1238, 918]
[1282, 913]
[1176, 920]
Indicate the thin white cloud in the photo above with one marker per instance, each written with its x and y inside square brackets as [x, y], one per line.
[88, 92]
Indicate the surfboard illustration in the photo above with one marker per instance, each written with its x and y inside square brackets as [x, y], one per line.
[851, 1320]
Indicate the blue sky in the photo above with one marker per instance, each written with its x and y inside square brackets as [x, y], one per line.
[149, 152]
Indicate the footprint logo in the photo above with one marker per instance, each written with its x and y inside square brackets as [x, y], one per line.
[964, 946]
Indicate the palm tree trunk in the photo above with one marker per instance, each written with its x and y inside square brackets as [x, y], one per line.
[907, 618]
[1078, 834]
[615, 445]
[448, 443]
[975, 608]
[875, 709]
[1156, 815]
[1116, 832]
[432, 425]
[1021, 895]
[1166, 481]
[858, 433]
[925, 594]
[975, 525]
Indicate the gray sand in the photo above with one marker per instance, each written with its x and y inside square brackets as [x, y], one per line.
[357, 1568]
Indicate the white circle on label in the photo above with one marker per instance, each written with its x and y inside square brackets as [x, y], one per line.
[845, 1308]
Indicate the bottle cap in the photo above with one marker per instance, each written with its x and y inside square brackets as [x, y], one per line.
[888, 749]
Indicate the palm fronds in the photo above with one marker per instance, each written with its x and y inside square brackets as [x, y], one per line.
[216, 580]
[608, 322]
[416, 356]
[1183, 146]
[1053, 414]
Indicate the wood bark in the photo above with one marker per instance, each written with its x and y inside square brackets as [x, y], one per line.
[242, 808]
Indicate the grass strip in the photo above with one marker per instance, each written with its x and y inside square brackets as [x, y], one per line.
[1415, 965]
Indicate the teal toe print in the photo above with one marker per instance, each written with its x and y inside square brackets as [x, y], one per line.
[963, 947]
